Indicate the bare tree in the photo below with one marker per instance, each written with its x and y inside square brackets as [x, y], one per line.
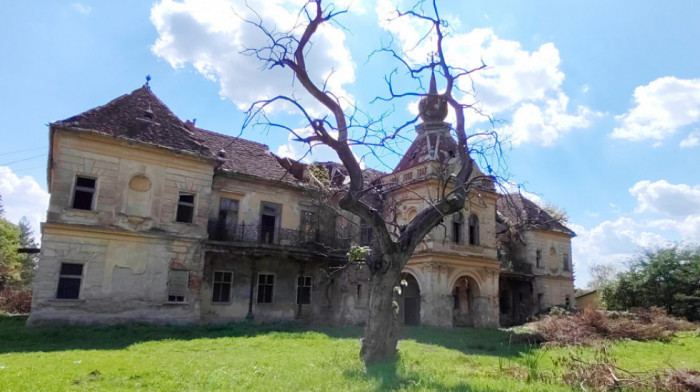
[336, 129]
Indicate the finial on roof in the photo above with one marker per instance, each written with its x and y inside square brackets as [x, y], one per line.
[148, 79]
[433, 107]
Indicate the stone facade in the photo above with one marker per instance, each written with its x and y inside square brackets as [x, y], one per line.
[152, 219]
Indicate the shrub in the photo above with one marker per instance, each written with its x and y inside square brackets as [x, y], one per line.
[15, 301]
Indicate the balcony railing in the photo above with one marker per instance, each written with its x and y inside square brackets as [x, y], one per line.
[272, 235]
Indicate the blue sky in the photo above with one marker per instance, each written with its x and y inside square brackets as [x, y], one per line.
[600, 100]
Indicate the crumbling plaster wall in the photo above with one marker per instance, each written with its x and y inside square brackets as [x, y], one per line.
[125, 277]
[127, 250]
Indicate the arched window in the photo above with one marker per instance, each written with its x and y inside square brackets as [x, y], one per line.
[457, 227]
[473, 230]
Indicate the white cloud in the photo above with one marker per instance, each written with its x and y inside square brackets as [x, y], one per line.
[526, 84]
[211, 34]
[661, 108]
[672, 213]
[23, 197]
[678, 200]
[692, 140]
[82, 8]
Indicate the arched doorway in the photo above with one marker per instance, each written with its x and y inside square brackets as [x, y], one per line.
[466, 308]
[409, 312]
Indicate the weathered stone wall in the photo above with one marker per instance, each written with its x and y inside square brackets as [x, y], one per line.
[114, 164]
[125, 277]
[334, 298]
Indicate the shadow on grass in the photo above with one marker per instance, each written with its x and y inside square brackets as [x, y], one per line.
[388, 379]
[16, 337]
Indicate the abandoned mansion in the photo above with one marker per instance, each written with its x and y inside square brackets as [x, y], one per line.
[152, 219]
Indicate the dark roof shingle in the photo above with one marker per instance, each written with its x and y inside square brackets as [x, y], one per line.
[138, 116]
[518, 210]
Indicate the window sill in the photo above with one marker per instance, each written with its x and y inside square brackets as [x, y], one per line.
[221, 303]
[175, 303]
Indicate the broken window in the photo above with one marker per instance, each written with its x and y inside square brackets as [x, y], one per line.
[457, 227]
[538, 258]
[269, 222]
[221, 289]
[303, 290]
[565, 261]
[178, 285]
[185, 208]
[69, 280]
[228, 217]
[84, 193]
[266, 287]
[309, 226]
[473, 230]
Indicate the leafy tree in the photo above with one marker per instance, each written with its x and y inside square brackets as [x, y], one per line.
[29, 260]
[10, 260]
[601, 276]
[667, 278]
[2, 209]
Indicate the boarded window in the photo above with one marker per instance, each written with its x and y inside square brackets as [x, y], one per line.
[84, 193]
[69, 281]
[185, 208]
[178, 285]
[222, 286]
[365, 234]
[266, 287]
[473, 230]
[303, 290]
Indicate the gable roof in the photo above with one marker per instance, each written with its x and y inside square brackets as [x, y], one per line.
[515, 209]
[139, 116]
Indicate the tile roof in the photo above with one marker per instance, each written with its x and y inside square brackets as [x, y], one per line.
[246, 157]
[138, 116]
[516, 209]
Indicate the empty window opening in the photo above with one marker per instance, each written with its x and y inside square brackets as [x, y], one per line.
[565, 262]
[473, 230]
[228, 216]
[538, 258]
[269, 218]
[84, 193]
[178, 285]
[303, 290]
[185, 208]
[567, 302]
[69, 280]
[266, 287]
[457, 227]
[221, 290]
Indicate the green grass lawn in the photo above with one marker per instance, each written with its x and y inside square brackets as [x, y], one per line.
[285, 357]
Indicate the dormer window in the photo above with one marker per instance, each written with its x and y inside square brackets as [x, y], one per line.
[148, 113]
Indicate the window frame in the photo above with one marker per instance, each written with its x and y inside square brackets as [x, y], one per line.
[93, 200]
[214, 282]
[458, 227]
[474, 235]
[194, 206]
[67, 276]
[538, 258]
[184, 298]
[272, 294]
[310, 287]
[565, 262]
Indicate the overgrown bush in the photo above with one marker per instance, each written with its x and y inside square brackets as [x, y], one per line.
[15, 301]
[591, 325]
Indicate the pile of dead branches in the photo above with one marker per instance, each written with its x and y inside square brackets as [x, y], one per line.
[591, 326]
